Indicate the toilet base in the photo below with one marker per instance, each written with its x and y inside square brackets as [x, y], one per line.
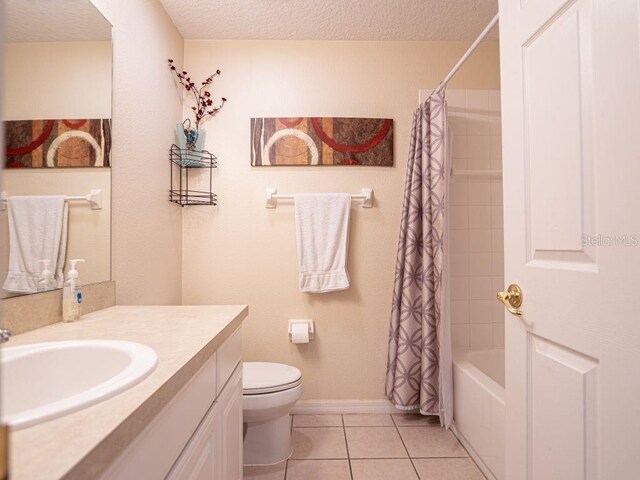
[269, 442]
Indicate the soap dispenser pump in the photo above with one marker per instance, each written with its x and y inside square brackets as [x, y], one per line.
[72, 294]
[47, 279]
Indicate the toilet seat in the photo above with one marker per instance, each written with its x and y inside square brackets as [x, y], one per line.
[264, 377]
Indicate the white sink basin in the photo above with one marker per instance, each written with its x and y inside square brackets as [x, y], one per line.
[42, 381]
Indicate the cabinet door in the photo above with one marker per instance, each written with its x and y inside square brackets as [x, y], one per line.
[198, 460]
[230, 427]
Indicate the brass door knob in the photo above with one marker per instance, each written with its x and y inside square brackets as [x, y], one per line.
[512, 299]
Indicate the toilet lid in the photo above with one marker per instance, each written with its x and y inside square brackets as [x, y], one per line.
[264, 377]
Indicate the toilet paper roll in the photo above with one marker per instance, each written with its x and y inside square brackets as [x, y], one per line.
[300, 333]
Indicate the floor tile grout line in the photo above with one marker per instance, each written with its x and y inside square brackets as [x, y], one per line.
[397, 428]
[366, 426]
[468, 456]
[424, 425]
[423, 457]
[374, 459]
[346, 442]
[370, 426]
[320, 426]
[394, 415]
[286, 465]
[303, 460]
[433, 457]
[326, 458]
[406, 449]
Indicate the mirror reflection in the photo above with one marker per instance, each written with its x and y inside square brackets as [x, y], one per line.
[56, 192]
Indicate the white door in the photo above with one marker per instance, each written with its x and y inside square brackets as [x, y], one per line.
[571, 150]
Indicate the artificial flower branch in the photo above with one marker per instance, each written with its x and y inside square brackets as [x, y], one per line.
[204, 103]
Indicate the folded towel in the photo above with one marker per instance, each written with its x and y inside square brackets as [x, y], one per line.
[322, 232]
[37, 231]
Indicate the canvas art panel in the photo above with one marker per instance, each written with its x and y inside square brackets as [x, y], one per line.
[58, 143]
[321, 141]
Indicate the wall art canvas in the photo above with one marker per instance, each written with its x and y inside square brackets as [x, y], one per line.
[58, 143]
[321, 141]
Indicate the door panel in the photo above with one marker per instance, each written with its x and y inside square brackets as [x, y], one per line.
[535, 14]
[563, 391]
[556, 118]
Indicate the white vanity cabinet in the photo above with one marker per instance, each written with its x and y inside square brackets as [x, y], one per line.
[198, 435]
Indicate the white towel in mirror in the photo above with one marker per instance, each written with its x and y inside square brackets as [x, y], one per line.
[37, 231]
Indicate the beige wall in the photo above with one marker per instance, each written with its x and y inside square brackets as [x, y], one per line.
[57, 80]
[147, 236]
[241, 252]
[62, 80]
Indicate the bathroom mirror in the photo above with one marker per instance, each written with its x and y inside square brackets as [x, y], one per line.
[56, 93]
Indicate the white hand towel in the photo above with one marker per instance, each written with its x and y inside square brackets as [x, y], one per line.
[37, 231]
[322, 232]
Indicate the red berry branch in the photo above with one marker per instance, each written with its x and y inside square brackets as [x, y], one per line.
[204, 103]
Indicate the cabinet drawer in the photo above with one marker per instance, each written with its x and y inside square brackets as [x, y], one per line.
[229, 355]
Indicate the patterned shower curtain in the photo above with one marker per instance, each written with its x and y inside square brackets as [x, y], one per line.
[419, 365]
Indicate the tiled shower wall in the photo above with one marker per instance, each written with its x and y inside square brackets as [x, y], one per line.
[476, 226]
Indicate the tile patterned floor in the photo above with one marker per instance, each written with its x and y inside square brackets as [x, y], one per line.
[370, 447]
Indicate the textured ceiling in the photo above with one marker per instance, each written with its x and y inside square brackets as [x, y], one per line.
[436, 20]
[54, 21]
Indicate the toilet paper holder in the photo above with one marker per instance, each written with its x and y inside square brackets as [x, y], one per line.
[303, 321]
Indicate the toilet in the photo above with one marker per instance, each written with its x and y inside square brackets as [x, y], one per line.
[269, 391]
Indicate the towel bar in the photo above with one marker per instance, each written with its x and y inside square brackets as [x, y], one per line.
[94, 198]
[273, 196]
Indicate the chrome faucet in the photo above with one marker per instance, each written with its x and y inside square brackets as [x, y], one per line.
[5, 335]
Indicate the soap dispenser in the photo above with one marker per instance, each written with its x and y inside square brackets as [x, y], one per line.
[72, 294]
[47, 280]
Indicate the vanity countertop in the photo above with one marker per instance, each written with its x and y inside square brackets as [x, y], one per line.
[82, 444]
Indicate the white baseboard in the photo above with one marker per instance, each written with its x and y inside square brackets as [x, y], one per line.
[311, 407]
[472, 453]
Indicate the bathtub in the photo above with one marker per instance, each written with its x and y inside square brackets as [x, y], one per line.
[479, 407]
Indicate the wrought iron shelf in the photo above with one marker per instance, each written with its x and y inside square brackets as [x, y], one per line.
[183, 162]
[192, 197]
[192, 158]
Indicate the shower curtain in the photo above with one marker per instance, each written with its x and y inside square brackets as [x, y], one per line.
[419, 368]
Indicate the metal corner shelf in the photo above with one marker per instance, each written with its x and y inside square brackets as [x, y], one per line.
[192, 197]
[182, 162]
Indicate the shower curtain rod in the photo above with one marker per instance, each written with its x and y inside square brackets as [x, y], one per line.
[467, 54]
